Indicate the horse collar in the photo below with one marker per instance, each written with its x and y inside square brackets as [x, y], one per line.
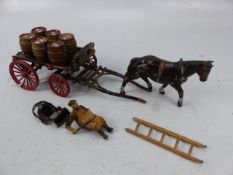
[161, 69]
[182, 69]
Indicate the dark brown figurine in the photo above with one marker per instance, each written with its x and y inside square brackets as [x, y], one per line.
[48, 113]
[165, 72]
[86, 119]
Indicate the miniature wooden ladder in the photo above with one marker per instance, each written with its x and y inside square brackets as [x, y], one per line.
[165, 132]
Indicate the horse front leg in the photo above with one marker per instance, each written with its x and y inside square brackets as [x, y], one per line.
[180, 92]
[148, 83]
[161, 89]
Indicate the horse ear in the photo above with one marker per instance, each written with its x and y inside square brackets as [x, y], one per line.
[211, 61]
[181, 62]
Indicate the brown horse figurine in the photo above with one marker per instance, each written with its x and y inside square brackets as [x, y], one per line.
[86, 119]
[165, 72]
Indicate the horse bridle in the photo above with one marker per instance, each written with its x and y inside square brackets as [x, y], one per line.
[205, 68]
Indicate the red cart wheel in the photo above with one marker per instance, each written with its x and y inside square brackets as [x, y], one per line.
[92, 62]
[59, 85]
[24, 75]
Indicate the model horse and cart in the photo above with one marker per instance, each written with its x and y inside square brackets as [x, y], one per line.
[79, 65]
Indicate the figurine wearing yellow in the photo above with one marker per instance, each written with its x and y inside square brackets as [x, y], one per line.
[86, 119]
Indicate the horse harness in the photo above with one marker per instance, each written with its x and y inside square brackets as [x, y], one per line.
[160, 70]
[163, 65]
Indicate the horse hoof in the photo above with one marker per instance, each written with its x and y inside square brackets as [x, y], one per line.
[179, 103]
[162, 92]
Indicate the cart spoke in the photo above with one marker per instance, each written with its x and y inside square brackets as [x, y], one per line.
[32, 78]
[17, 71]
[18, 67]
[62, 90]
[19, 75]
[30, 83]
[20, 79]
[23, 83]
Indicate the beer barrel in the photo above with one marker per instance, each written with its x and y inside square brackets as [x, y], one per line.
[70, 43]
[57, 52]
[39, 48]
[39, 31]
[25, 42]
[53, 34]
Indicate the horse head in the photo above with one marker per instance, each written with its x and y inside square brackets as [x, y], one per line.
[204, 70]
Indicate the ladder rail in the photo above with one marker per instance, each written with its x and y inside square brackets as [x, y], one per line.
[174, 149]
[170, 133]
[167, 147]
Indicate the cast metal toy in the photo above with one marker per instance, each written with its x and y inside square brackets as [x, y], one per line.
[86, 119]
[152, 128]
[48, 113]
[23, 71]
[165, 72]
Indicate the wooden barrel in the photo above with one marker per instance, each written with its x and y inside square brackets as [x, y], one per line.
[39, 31]
[39, 48]
[25, 42]
[70, 43]
[57, 52]
[53, 34]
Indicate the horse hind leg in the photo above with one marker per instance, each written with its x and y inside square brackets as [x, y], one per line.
[161, 89]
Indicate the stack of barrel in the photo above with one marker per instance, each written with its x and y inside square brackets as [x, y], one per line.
[48, 46]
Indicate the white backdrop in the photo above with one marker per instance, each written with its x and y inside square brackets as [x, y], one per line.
[170, 29]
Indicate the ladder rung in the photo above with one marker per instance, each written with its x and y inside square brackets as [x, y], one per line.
[149, 133]
[162, 137]
[136, 129]
[176, 144]
[190, 149]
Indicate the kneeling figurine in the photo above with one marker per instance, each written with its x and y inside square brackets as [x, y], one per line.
[86, 119]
